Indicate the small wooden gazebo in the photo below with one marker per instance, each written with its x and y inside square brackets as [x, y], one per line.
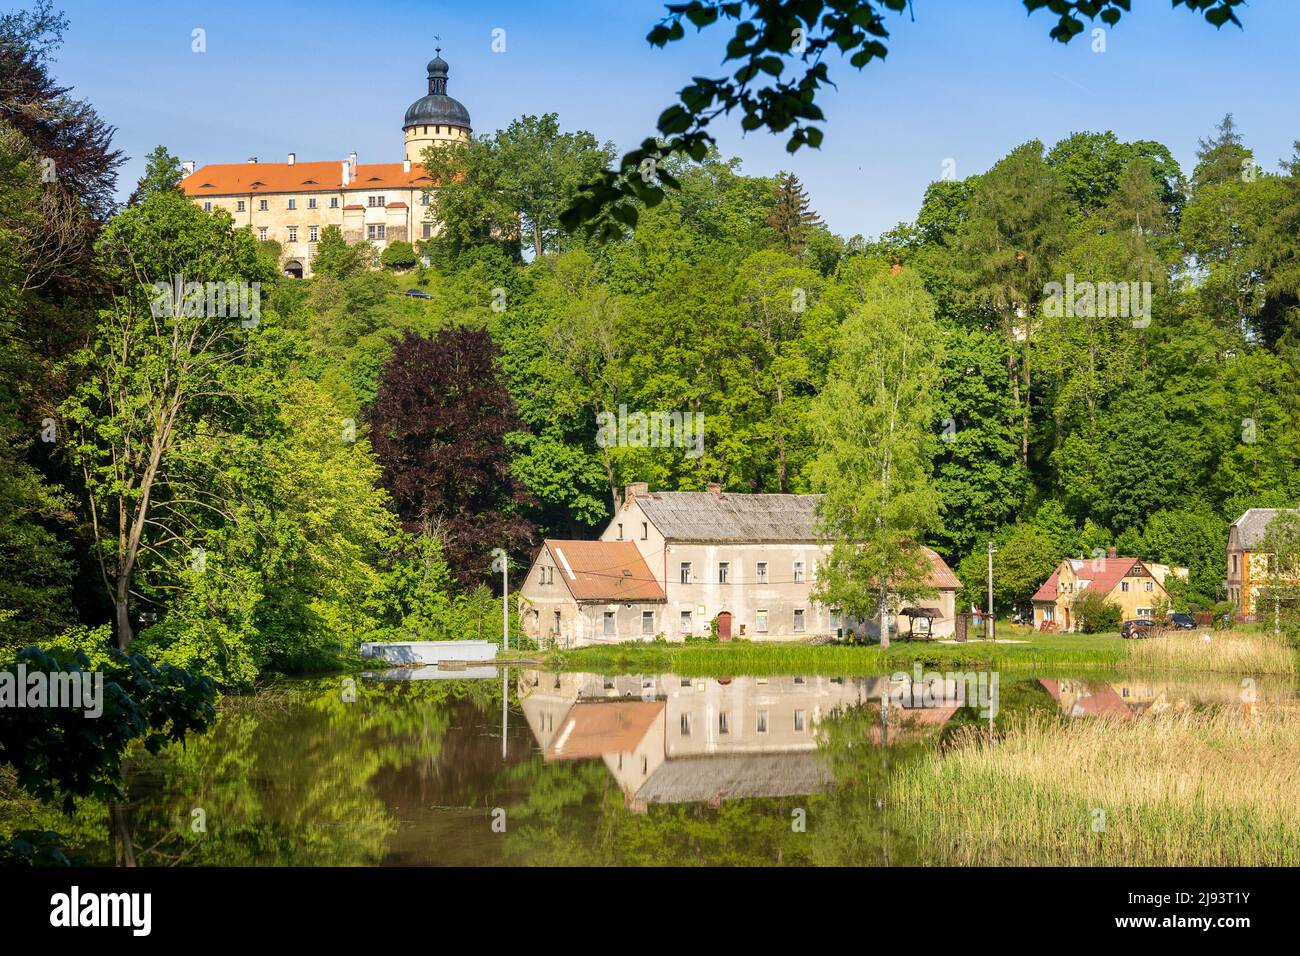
[928, 613]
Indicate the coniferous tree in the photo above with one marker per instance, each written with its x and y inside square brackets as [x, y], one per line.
[792, 216]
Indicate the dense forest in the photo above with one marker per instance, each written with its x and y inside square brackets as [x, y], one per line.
[240, 497]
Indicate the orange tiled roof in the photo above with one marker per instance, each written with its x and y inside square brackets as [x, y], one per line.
[233, 179]
[604, 571]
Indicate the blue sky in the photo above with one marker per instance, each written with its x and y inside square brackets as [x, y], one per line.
[965, 80]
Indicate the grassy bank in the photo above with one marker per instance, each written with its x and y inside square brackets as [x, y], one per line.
[1226, 652]
[1200, 788]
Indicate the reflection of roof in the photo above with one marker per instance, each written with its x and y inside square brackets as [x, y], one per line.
[593, 729]
[1098, 575]
[611, 571]
[1100, 700]
[695, 779]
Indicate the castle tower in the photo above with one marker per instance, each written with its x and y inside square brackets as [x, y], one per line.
[436, 117]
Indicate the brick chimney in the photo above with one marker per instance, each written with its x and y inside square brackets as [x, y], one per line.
[632, 489]
[715, 488]
[1112, 552]
[292, 158]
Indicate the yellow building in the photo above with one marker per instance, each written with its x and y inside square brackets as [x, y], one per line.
[1126, 583]
[1249, 564]
[291, 202]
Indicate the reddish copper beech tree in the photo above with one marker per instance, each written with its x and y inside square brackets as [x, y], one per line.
[439, 426]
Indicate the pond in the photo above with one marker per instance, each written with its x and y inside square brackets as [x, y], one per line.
[525, 767]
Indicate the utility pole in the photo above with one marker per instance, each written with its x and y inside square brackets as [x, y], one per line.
[991, 633]
[500, 562]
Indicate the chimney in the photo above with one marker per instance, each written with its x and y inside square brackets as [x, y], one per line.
[1112, 552]
[292, 157]
[252, 159]
[406, 165]
[188, 166]
[715, 488]
[633, 489]
[346, 169]
[352, 159]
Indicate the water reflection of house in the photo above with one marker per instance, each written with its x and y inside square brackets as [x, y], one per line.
[671, 739]
[1128, 697]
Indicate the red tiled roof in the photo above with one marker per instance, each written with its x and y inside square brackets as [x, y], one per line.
[232, 179]
[596, 728]
[1100, 579]
[605, 571]
[941, 575]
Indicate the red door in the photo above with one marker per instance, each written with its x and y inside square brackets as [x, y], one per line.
[724, 626]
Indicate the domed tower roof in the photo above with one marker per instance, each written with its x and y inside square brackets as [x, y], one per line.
[437, 108]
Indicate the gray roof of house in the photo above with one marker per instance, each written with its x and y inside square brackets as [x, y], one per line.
[698, 779]
[704, 516]
[1252, 525]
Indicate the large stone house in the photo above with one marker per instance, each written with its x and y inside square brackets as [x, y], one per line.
[292, 202]
[1127, 583]
[1248, 564]
[744, 563]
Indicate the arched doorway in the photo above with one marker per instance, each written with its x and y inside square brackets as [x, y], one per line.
[293, 269]
[724, 625]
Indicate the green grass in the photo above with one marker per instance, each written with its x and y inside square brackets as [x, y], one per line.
[709, 658]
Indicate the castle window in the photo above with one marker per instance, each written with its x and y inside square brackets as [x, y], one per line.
[334, 202]
[293, 204]
[207, 207]
[261, 233]
[426, 231]
[239, 206]
[798, 571]
[313, 233]
[762, 572]
[374, 201]
[311, 203]
[293, 233]
[798, 619]
[261, 205]
[424, 199]
[375, 231]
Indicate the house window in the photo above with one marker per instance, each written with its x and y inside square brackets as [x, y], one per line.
[724, 570]
[761, 572]
[261, 233]
[686, 725]
[609, 623]
[293, 204]
[686, 572]
[374, 201]
[761, 724]
[1151, 585]
[1144, 612]
[620, 531]
[375, 230]
[724, 723]
[647, 622]
[261, 205]
[1049, 614]
[424, 199]
[1124, 586]
[798, 721]
[645, 766]
[1235, 566]
[239, 206]
[426, 231]
[798, 572]
[313, 233]
[761, 624]
[293, 233]
[557, 623]
[311, 203]
[207, 207]
[334, 202]
[686, 621]
[645, 530]
[798, 619]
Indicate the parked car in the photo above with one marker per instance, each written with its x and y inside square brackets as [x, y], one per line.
[1181, 622]
[1141, 627]
[417, 294]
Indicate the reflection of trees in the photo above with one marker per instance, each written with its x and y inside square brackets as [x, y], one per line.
[287, 777]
